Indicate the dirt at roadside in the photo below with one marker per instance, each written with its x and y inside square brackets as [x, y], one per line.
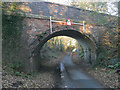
[106, 76]
[48, 77]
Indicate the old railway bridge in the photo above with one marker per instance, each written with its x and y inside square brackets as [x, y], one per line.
[87, 27]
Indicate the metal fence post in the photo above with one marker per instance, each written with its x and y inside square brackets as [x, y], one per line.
[84, 26]
[50, 25]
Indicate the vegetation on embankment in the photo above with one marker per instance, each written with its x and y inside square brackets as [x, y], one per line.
[107, 65]
[108, 77]
[107, 49]
[47, 77]
[13, 64]
[11, 37]
[11, 30]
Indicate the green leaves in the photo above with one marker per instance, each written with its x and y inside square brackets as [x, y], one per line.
[81, 54]
[40, 35]
[44, 32]
[114, 66]
[94, 6]
[16, 65]
[110, 66]
[10, 7]
[18, 74]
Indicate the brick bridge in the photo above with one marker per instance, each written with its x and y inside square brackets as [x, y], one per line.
[36, 29]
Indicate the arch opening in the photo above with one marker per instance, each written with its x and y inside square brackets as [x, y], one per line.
[87, 44]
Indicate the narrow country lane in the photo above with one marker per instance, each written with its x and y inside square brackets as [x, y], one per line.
[74, 77]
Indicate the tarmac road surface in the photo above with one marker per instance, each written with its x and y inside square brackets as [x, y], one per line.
[74, 77]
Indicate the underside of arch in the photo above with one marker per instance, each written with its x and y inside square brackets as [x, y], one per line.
[88, 45]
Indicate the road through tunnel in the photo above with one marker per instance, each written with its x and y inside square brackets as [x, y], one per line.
[87, 44]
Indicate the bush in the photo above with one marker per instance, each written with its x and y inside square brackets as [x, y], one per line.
[114, 66]
[17, 65]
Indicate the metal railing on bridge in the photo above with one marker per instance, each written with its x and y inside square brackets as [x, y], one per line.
[83, 24]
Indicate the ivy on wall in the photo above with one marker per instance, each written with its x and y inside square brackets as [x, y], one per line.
[11, 34]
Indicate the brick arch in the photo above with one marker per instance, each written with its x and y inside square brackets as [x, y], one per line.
[87, 43]
[75, 28]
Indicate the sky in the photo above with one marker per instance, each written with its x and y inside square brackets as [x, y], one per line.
[67, 2]
[60, 1]
[110, 5]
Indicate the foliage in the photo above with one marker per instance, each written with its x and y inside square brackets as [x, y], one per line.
[17, 73]
[11, 35]
[70, 48]
[16, 65]
[55, 43]
[15, 69]
[10, 8]
[114, 66]
[11, 30]
[81, 54]
[101, 7]
[107, 52]
[61, 43]
[40, 36]
[94, 6]
[44, 32]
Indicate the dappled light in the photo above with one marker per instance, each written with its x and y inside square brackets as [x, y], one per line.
[61, 43]
[25, 8]
[48, 45]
